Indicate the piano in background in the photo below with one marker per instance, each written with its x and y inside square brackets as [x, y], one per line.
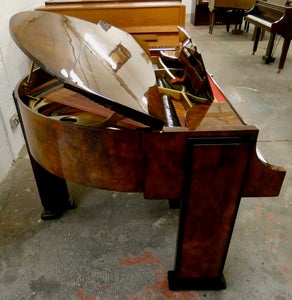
[274, 16]
[235, 9]
[70, 2]
[97, 114]
[153, 22]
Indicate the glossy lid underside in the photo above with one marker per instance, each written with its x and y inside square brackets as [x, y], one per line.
[98, 60]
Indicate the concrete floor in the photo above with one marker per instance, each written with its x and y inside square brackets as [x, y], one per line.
[120, 246]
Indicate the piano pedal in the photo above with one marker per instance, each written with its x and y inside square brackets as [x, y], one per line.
[268, 59]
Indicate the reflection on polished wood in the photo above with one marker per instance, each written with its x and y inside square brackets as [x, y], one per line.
[209, 165]
[154, 22]
[82, 55]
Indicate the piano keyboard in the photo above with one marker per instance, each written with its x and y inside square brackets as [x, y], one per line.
[258, 21]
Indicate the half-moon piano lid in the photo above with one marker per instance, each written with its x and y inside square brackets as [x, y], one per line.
[99, 61]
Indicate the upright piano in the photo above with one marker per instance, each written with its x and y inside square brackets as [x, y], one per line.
[238, 6]
[153, 22]
[102, 112]
[274, 16]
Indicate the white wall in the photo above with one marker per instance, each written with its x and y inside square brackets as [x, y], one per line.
[188, 4]
[13, 66]
[190, 10]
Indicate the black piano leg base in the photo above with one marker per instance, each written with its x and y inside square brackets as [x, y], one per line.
[51, 214]
[70, 203]
[268, 59]
[174, 203]
[178, 284]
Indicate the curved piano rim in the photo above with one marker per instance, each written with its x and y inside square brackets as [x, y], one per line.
[98, 157]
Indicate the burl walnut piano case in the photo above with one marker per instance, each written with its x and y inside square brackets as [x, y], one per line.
[97, 113]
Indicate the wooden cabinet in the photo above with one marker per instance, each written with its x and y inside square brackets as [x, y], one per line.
[155, 22]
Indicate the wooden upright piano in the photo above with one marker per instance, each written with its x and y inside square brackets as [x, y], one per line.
[274, 16]
[101, 112]
[238, 6]
[154, 22]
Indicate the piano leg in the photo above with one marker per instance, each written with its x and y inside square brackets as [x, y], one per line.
[212, 21]
[285, 48]
[246, 26]
[228, 19]
[214, 180]
[53, 190]
[268, 57]
[256, 39]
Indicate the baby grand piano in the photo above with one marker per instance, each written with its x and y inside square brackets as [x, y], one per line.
[97, 113]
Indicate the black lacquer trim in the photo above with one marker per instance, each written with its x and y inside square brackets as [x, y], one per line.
[174, 203]
[268, 59]
[176, 283]
[56, 214]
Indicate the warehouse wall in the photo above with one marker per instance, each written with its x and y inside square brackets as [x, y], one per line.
[190, 4]
[13, 66]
